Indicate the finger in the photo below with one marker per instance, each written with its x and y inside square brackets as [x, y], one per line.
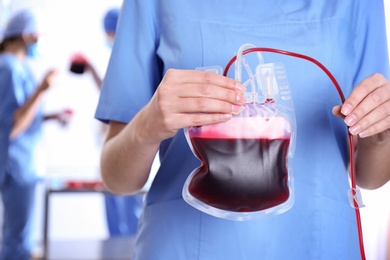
[212, 92]
[373, 100]
[198, 119]
[374, 129]
[204, 77]
[361, 91]
[52, 71]
[336, 110]
[205, 105]
[375, 122]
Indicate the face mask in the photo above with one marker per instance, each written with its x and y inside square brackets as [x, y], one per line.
[32, 50]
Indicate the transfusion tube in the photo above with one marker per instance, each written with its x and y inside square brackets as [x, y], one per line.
[355, 202]
[238, 68]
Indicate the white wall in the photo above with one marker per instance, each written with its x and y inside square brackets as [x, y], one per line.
[73, 152]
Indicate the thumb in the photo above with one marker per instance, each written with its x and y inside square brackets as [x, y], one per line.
[336, 110]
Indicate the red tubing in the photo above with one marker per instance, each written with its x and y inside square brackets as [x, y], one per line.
[350, 137]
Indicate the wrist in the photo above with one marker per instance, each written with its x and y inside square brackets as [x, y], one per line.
[142, 131]
[41, 88]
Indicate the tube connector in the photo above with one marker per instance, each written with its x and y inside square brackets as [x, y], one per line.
[266, 76]
[355, 198]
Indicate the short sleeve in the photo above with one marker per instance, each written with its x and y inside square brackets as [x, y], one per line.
[371, 40]
[11, 95]
[133, 72]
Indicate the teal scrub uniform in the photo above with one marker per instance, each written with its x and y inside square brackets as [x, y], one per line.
[348, 37]
[18, 172]
[122, 214]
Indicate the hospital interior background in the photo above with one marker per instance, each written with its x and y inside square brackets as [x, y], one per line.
[76, 26]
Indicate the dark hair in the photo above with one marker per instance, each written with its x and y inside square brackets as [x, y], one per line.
[2, 46]
[8, 40]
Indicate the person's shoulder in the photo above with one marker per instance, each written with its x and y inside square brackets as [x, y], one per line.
[9, 62]
[12, 66]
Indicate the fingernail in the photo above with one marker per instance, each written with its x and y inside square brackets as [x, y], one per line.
[346, 109]
[236, 109]
[334, 110]
[240, 98]
[350, 120]
[355, 129]
[226, 116]
[240, 87]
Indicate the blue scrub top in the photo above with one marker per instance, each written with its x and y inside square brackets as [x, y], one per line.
[17, 157]
[348, 37]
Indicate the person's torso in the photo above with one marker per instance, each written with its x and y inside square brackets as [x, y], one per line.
[321, 223]
[17, 86]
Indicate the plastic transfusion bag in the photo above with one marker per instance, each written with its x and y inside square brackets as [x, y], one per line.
[245, 171]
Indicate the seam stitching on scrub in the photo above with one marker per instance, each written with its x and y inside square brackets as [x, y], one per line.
[291, 22]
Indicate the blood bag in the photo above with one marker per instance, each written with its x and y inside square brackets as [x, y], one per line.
[245, 170]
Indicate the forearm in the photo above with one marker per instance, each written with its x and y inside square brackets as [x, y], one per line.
[127, 158]
[372, 163]
[96, 78]
[25, 114]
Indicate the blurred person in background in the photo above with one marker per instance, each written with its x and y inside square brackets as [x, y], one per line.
[122, 212]
[20, 131]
